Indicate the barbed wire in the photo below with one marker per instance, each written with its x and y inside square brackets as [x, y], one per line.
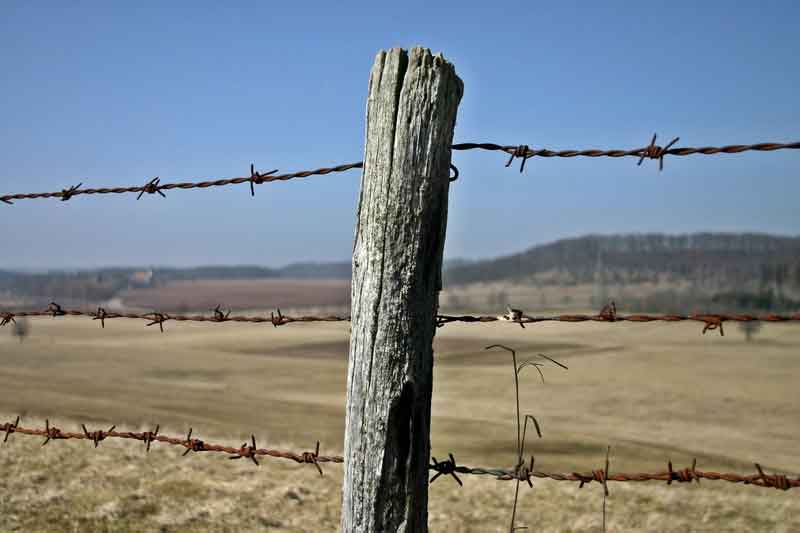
[712, 321]
[154, 186]
[651, 151]
[448, 467]
[245, 451]
[523, 152]
[158, 318]
[685, 475]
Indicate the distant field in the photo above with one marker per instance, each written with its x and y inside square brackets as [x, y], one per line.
[652, 391]
[535, 298]
[240, 294]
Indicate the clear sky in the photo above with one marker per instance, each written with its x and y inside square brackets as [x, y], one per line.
[112, 95]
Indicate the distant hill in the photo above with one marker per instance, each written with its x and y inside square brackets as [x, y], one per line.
[711, 260]
[651, 271]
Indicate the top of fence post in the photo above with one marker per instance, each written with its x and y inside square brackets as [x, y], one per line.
[397, 262]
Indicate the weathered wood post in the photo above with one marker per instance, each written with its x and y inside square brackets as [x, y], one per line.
[397, 268]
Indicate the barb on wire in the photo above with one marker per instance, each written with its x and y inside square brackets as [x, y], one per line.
[653, 151]
[522, 152]
[515, 315]
[157, 318]
[66, 194]
[257, 178]
[149, 436]
[247, 452]
[686, 475]
[7, 318]
[51, 432]
[96, 436]
[311, 458]
[152, 187]
[277, 320]
[447, 467]
[10, 428]
[713, 322]
[101, 316]
[220, 316]
[777, 481]
[193, 445]
[609, 312]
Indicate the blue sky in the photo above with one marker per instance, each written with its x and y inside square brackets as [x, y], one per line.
[110, 95]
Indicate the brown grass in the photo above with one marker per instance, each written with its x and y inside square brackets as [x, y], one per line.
[652, 392]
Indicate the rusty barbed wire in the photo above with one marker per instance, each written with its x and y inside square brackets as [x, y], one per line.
[154, 186]
[157, 318]
[447, 467]
[523, 152]
[685, 475]
[651, 151]
[51, 433]
[712, 321]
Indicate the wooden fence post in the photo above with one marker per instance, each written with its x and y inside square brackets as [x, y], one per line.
[397, 268]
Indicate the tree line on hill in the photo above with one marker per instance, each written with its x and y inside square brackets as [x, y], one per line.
[703, 271]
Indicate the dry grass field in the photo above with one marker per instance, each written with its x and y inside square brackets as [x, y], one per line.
[652, 391]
